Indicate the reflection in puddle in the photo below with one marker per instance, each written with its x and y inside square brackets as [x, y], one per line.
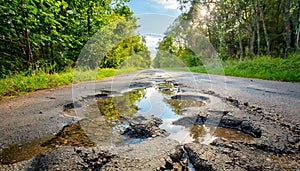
[108, 127]
[114, 107]
[178, 105]
[205, 134]
[22, 151]
[170, 110]
[70, 135]
[153, 101]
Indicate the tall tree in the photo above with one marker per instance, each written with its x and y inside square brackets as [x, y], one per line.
[287, 15]
[264, 28]
[249, 26]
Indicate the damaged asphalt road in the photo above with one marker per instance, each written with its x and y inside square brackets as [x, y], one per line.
[264, 115]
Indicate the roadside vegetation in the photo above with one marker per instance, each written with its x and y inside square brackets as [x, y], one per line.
[256, 39]
[42, 41]
[261, 67]
[265, 67]
[22, 83]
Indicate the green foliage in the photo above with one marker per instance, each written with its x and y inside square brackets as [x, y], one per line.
[257, 39]
[113, 107]
[169, 50]
[245, 28]
[112, 45]
[266, 67]
[131, 52]
[263, 67]
[166, 60]
[191, 60]
[50, 34]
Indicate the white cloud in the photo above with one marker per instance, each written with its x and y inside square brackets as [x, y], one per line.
[152, 43]
[169, 4]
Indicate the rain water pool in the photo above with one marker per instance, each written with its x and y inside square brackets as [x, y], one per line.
[157, 100]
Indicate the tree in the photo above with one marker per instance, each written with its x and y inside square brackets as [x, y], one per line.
[49, 35]
[246, 27]
[287, 16]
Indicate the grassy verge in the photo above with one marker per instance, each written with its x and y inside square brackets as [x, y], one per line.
[19, 84]
[282, 69]
[265, 67]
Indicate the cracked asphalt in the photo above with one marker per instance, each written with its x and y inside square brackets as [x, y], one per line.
[42, 113]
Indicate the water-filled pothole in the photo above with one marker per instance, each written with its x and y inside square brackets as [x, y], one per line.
[161, 101]
[70, 135]
[114, 107]
[128, 119]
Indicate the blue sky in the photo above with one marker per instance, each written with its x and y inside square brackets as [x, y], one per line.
[154, 17]
[165, 7]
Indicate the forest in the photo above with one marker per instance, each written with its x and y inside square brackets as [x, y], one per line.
[236, 29]
[49, 34]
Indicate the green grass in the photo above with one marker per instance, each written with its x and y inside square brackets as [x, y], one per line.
[263, 67]
[282, 69]
[21, 83]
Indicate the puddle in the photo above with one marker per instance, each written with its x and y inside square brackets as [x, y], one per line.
[179, 105]
[155, 103]
[162, 101]
[118, 113]
[111, 107]
[22, 151]
[167, 88]
[170, 110]
[205, 134]
[70, 135]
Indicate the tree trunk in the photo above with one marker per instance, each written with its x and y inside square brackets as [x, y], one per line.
[288, 36]
[257, 17]
[52, 54]
[265, 30]
[252, 39]
[298, 34]
[241, 43]
[29, 52]
[252, 30]
[26, 35]
[19, 38]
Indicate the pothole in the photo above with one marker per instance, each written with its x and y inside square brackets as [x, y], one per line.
[205, 134]
[70, 135]
[22, 151]
[161, 106]
[142, 113]
[114, 107]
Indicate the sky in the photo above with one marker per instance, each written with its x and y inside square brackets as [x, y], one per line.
[154, 17]
[166, 7]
